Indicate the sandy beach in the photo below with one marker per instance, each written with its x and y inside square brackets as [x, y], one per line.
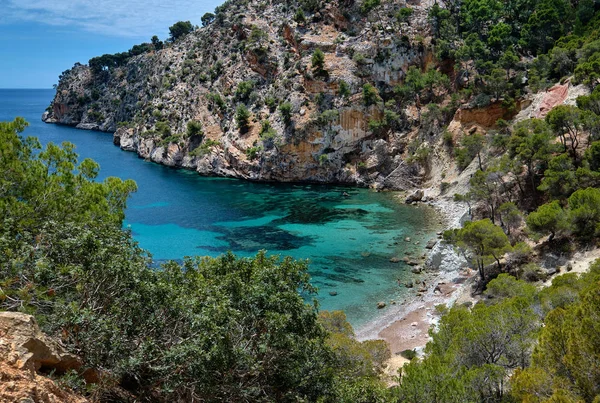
[405, 325]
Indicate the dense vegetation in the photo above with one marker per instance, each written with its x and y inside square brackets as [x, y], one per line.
[221, 329]
[237, 329]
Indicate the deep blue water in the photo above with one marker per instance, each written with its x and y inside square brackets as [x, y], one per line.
[176, 213]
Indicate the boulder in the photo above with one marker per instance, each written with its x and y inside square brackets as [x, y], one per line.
[416, 269]
[416, 196]
[431, 243]
[28, 348]
[333, 293]
[444, 257]
[380, 305]
[395, 259]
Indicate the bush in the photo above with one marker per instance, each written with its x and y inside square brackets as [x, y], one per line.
[370, 95]
[286, 112]
[408, 354]
[194, 129]
[242, 118]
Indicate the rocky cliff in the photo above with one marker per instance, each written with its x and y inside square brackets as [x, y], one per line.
[308, 121]
[24, 352]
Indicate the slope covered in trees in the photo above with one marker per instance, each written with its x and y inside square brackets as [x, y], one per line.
[229, 329]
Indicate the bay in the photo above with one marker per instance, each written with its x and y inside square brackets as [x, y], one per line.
[348, 240]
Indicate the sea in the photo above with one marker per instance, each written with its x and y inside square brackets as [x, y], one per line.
[348, 235]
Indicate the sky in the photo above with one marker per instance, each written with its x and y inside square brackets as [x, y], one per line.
[39, 39]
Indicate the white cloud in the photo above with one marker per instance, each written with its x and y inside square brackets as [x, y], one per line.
[133, 18]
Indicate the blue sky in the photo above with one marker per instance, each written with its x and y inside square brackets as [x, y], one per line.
[39, 39]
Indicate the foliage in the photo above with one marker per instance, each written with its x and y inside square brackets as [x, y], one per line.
[179, 30]
[243, 91]
[204, 329]
[485, 241]
[548, 218]
[242, 118]
[207, 19]
[318, 63]
[368, 5]
[565, 364]
[194, 129]
[370, 95]
[471, 147]
[286, 112]
[472, 352]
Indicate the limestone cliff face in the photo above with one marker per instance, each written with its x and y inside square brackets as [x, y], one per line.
[148, 101]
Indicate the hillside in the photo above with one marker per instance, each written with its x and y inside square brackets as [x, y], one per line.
[493, 104]
[260, 55]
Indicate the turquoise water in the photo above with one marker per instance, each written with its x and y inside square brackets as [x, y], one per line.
[348, 240]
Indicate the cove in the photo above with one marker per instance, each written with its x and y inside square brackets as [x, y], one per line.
[348, 239]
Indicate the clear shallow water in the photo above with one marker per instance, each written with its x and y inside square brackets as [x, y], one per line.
[176, 213]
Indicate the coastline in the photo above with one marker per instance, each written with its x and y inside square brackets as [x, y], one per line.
[405, 325]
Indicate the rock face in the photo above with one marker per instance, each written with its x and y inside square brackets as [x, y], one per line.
[148, 100]
[444, 257]
[30, 348]
[24, 349]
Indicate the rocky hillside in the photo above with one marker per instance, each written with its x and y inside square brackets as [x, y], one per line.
[313, 78]
[26, 356]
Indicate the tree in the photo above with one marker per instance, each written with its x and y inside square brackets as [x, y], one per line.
[560, 177]
[242, 118]
[472, 146]
[243, 91]
[207, 19]
[223, 329]
[565, 365]
[157, 43]
[299, 16]
[568, 123]
[179, 30]
[584, 213]
[370, 95]
[549, 218]
[510, 216]
[369, 5]
[318, 63]
[531, 144]
[488, 187]
[194, 129]
[344, 90]
[404, 14]
[286, 112]
[472, 352]
[486, 242]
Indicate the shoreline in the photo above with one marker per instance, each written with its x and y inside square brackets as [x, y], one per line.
[405, 325]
